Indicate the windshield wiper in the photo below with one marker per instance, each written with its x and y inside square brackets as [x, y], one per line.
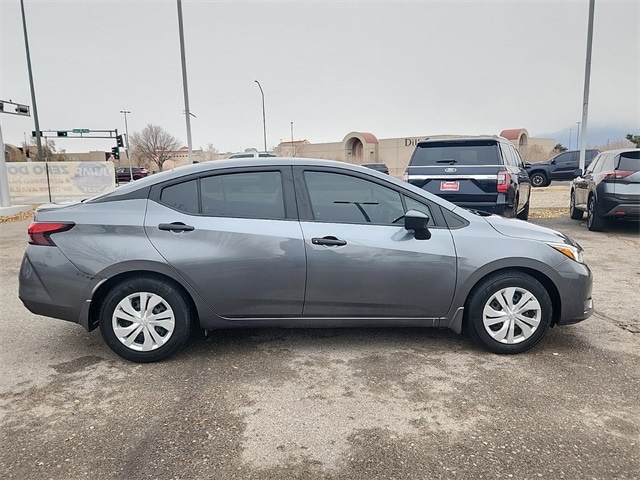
[450, 161]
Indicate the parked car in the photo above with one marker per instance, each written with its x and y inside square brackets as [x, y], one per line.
[482, 173]
[125, 174]
[294, 243]
[252, 155]
[609, 188]
[560, 167]
[378, 167]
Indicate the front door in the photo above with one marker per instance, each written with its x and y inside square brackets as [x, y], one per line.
[361, 262]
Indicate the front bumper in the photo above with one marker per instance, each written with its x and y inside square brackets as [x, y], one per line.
[575, 284]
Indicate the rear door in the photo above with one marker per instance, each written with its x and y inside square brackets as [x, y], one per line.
[234, 236]
[565, 164]
[361, 262]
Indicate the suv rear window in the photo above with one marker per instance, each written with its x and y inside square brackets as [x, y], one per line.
[629, 161]
[471, 152]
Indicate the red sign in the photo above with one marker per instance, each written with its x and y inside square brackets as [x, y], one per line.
[452, 186]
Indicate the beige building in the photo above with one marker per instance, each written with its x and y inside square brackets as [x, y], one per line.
[364, 147]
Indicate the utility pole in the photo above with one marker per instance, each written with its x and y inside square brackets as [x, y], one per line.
[587, 79]
[126, 132]
[187, 113]
[264, 120]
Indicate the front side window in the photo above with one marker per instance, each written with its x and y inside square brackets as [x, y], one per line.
[338, 198]
[592, 167]
[249, 195]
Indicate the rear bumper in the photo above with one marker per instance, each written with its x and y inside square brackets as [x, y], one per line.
[59, 299]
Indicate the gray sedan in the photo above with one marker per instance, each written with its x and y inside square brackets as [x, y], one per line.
[294, 243]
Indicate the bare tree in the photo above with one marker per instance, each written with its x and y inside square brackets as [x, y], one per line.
[153, 145]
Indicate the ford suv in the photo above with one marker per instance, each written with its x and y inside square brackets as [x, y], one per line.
[482, 173]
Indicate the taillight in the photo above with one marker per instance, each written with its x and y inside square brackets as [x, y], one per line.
[617, 174]
[40, 233]
[503, 182]
[405, 176]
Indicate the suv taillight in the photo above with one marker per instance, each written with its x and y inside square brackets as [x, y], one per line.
[405, 176]
[617, 174]
[40, 233]
[503, 182]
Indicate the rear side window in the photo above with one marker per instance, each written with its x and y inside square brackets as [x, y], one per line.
[482, 152]
[630, 161]
[252, 195]
[182, 196]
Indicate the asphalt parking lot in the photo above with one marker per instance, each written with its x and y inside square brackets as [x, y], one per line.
[332, 404]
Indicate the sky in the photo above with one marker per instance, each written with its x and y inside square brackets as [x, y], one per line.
[395, 69]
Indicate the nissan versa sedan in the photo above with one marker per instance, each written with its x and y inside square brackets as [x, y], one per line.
[294, 243]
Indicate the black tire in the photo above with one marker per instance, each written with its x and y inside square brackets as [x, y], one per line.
[155, 339]
[524, 214]
[539, 179]
[595, 222]
[575, 213]
[492, 328]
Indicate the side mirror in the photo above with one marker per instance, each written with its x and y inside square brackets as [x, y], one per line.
[577, 173]
[553, 162]
[417, 221]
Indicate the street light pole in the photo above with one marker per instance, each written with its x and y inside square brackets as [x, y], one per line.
[187, 113]
[126, 132]
[293, 152]
[264, 121]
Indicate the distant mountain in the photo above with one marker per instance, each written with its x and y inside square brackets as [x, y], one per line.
[596, 135]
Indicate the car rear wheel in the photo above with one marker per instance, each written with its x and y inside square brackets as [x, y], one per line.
[145, 319]
[508, 312]
[539, 179]
[595, 222]
[575, 213]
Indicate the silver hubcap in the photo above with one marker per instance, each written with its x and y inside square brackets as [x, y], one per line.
[511, 315]
[143, 321]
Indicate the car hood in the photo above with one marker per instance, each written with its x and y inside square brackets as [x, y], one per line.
[511, 227]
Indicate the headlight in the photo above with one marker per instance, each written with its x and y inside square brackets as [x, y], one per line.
[574, 253]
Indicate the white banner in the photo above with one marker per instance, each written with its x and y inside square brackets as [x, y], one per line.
[28, 181]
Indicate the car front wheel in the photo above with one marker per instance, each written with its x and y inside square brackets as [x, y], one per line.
[145, 319]
[508, 312]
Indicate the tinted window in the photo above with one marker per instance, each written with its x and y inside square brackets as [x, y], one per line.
[253, 195]
[182, 196]
[563, 158]
[518, 158]
[630, 161]
[481, 152]
[345, 199]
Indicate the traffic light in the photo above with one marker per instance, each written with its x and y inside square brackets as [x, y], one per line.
[115, 151]
[119, 141]
[33, 133]
[62, 134]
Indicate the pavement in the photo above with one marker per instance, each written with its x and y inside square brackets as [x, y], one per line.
[331, 403]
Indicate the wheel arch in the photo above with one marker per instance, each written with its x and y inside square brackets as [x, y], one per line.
[459, 322]
[103, 289]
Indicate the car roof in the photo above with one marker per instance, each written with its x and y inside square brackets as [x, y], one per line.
[464, 138]
[619, 151]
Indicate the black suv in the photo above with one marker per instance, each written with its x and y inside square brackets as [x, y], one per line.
[480, 173]
[560, 167]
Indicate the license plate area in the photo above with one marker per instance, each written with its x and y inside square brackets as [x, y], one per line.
[449, 186]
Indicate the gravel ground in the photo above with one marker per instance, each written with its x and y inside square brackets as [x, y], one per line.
[331, 404]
